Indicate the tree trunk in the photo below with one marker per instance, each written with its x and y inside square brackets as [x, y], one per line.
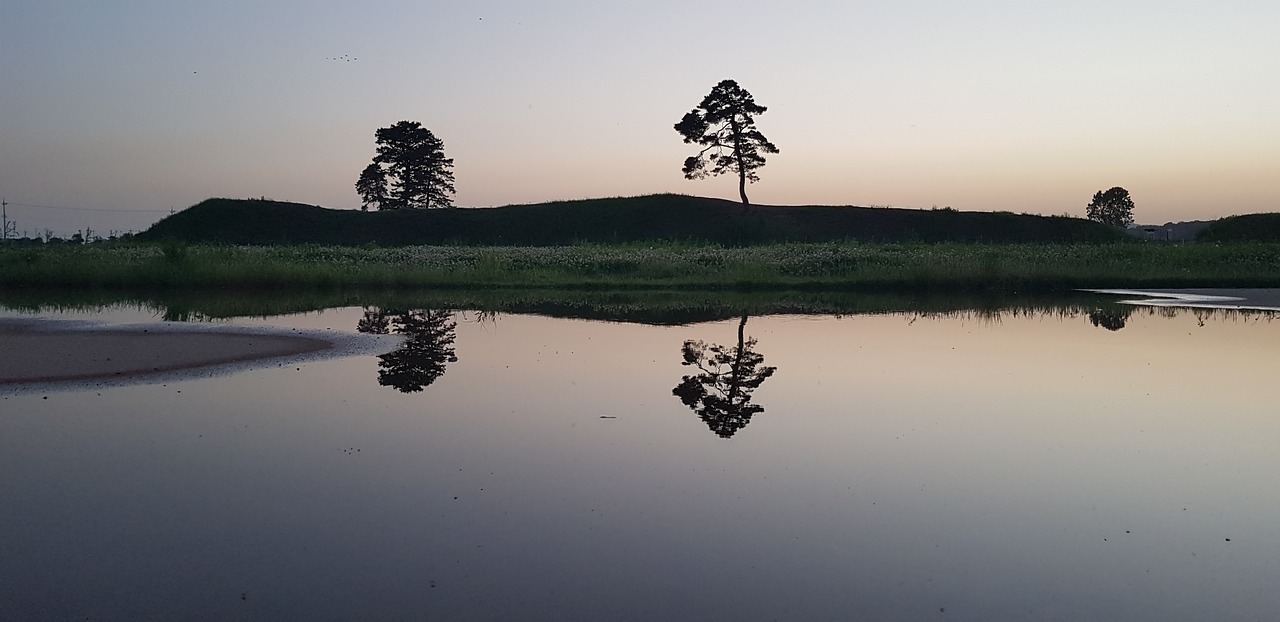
[735, 376]
[742, 166]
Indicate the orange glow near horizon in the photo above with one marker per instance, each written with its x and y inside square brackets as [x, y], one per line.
[974, 107]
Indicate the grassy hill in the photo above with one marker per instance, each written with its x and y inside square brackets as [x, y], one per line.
[617, 220]
[1244, 228]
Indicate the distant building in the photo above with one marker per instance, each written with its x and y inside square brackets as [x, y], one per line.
[1169, 231]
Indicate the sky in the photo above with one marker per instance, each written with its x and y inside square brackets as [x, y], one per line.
[112, 114]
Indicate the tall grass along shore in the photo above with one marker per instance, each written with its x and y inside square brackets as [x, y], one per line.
[821, 266]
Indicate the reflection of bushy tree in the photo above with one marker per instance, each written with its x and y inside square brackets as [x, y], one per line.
[376, 321]
[1110, 319]
[721, 393]
[421, 359]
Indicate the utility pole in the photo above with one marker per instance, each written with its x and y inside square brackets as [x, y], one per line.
[4, 220]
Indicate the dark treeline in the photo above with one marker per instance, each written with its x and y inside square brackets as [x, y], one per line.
[76, 238]
[616, 220]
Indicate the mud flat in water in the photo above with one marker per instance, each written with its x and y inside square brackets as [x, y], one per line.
[45, 351]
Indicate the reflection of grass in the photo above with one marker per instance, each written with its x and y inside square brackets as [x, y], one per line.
[832, 266]
[643, 306]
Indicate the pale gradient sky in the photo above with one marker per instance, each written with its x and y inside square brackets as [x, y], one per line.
[985, 105]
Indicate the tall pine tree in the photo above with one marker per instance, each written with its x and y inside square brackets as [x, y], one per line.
[724, 125]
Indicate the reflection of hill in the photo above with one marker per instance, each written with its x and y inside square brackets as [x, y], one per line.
[674, 309]
[647, 307]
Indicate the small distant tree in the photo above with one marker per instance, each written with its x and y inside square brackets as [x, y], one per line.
[724, 125]
[1113, 207]
[409, 171]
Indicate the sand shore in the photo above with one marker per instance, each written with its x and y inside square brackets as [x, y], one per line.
[36, 352]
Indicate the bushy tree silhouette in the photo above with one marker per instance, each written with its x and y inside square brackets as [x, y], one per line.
[724, 125]
[1113, 207]
[372, 187]
[720, 393]
[409, 171]
[1110, 319]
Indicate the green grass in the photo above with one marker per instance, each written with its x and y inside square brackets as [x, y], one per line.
[814, 267]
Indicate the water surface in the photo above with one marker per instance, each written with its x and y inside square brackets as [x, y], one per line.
[974, 466]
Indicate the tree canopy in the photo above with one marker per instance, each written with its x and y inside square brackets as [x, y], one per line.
[1113, 207]
[408, 172]
[724, 125]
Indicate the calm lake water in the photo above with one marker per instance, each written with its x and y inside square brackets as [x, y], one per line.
[1026, 466]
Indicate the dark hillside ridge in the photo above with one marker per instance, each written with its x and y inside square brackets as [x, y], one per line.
[1243, 228]
[666, 217]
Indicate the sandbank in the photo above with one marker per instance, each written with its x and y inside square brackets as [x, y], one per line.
[1240, 299]
[43, 352]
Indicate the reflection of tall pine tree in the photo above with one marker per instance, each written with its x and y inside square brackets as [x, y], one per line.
[421, 359]
[721, 393]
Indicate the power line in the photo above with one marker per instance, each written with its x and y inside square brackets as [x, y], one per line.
[89, 209]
